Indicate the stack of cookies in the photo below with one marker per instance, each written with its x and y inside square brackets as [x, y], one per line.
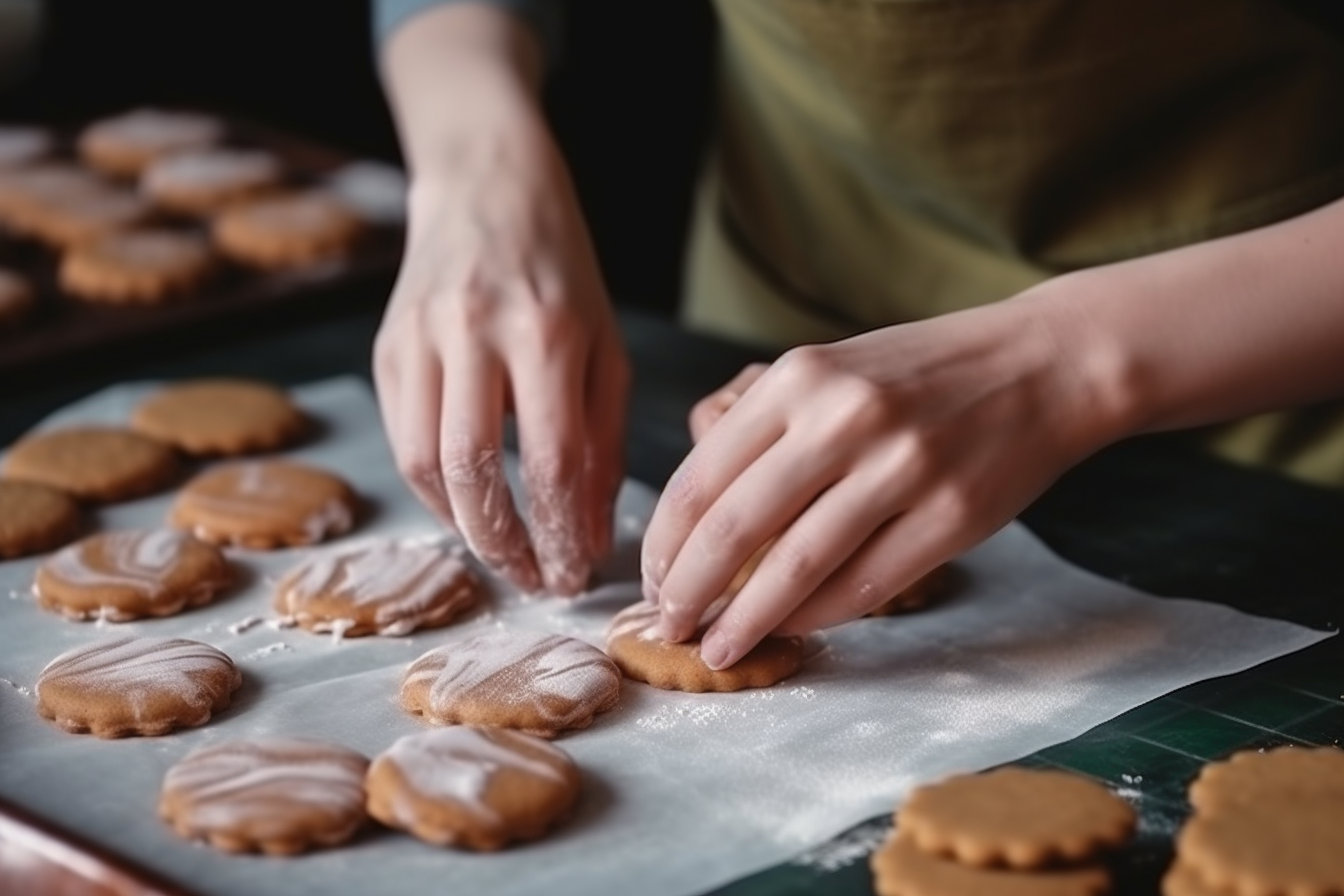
[1008, 831]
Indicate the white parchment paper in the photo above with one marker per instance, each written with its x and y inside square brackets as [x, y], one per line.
[682, 792]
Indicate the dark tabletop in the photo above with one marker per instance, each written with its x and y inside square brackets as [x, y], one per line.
[1154, 513]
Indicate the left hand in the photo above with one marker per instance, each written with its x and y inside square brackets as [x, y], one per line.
[870, 461]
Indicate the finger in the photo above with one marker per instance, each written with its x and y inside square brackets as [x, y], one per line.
[804, 556]
[760, 503]
[410, 391]
[473, 468]
[548, 394]
[607, 395]
[709, 409]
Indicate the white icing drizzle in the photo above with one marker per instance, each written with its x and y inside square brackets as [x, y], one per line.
[137, 561]
[158, 129]
[247, 623]
[212, 169]
[250, 490]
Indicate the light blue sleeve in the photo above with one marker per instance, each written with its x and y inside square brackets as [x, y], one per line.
[545, 16]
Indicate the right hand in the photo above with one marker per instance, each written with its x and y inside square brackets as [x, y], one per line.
[499, 307]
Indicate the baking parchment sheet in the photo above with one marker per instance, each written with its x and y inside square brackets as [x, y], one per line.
[682, 792]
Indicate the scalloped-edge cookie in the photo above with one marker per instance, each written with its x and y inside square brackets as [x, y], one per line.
[98, 464]
[1250, 776]
[900, 868]
[1280, 845]
[221, 416]
[35, 518]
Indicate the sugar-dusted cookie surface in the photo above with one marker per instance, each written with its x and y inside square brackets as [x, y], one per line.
[279, 796]
[127, 686]
[1018, 817]
[900, 868]
[124, 144]
[221, 416]
[285, 230]
[35, 518]
[379, 586]
[137, 266]
[473, 788]
[119, 576]
[265, 504]
[539, 683]
[205, 181]
[99, 464]
[641, 654]
[68, 220]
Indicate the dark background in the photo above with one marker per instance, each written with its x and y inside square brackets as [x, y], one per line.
[628, 98]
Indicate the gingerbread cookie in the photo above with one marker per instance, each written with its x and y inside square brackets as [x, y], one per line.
[930, 588]
[79, 217]
[136, 686]
[221, 417]
[1182, 880]
[900, 868]
[137, 266]
[207, 181]
[277, 796]
[265, 504]
[382, 587]
[124, 145]
[34, 518]
[1018, 817]
[476, 788]
[295, 229]
[539, 683]
[642, 655]
[119, 576]
[23, 145]
[93, 463]
[17, 298]
[27, 192]
[1284, 773]
[1285, 844]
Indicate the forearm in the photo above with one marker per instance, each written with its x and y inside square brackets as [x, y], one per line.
[1209, 332]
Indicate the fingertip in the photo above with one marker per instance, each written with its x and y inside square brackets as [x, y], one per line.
[717, 652]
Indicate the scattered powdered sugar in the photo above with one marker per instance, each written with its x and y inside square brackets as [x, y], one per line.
[278, 623]
[803, 693]
[20, 689]
[845, 850]
[260, 652]
[1132, 779]
[698, 713]
[245, 624]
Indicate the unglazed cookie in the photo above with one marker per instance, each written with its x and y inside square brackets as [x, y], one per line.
[136, 266]
[901, 869]
[383, 587]
[93, 463]
[221, 417]
[294, 229]
[119, 576]
[277, 796]
[123, 145]
[931, 587]
[1288, 844]
[475, 788]
[23, 145]
[1284, 774]
[538, 683]
[136, 686]
[1018, 817]
[34, 518]
[1182, 880]
[641, 654]
[206, 181]
[265, 504]
[17, 298]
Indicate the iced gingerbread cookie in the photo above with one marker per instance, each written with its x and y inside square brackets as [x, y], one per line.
[72, 220]
[35, 518]
[124, 145]
[209, 180]
[1016, 817]
[265, 504]
[137, 266]
[119, 576]
[98, 464]
[900, 868]
[278, 796]
[474, 788]
[538, 683]
[17, 298]
[221, 417]
[383, 587]
[294, 229]
[136, 686]
[26, 192]
[641, 654]
[23, 145]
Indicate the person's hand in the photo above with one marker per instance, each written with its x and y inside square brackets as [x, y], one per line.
[499, 307]
[870, 461]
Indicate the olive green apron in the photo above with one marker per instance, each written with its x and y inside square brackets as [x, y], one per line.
[879, 161]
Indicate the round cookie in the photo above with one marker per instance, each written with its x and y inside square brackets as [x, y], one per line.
[264, 504]
[383, 587]
[538, 683]
[120, 576]
[277, 796]
[26, 192]
[93, 463]
[35, 518]
[79, 217]
[931, 587]
[221, 417]
[136, 266]
[282, 231]
[136, 686]
[17, 298]
[1284, 773]
[124, 145]
[1017, 817]
[470, 787]
[205, 181]
[1182, 880]
[1289, 844]
[642, 655]
[900, 868]
[23, 145]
